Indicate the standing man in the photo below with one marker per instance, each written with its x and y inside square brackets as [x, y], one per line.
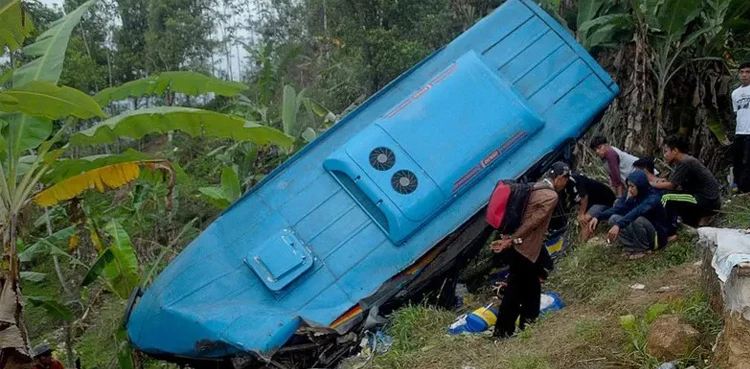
[697, 195]
[619, 163]
[525, 255]
[741, 104]
[44, 360]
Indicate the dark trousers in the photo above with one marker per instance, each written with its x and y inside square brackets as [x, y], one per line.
[639, 235]
[741, 148]
[688, 207]
[522, 295]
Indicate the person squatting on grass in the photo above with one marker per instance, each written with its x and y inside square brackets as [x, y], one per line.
[592, 197]
[647, 166]
[526, 258]
[638, 221]
[44, 360]
[619, 163]
[696, 195]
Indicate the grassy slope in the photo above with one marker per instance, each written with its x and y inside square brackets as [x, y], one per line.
[594, 281]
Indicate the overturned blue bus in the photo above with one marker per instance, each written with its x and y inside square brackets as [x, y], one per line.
[384, 201]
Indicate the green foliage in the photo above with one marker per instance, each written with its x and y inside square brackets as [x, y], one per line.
[25, 132]
[693, 309]
[49, 245]
[15, 25]
[124, 350]
[223, 196]
[130, 57]
[118, 263]
[54, 308]
[411, 327]
[230, 183]
[673, 16]
[124, 272]
[195, 122]
[46, 100]
[591, 274]
[49, 49]
[292, 102]
[97, 268]
[33, 276]
[188, 83]
[588, 10]
[178, 33]
[602, 31]
[5, 77]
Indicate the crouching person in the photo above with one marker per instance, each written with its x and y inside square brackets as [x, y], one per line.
[527, 258]
[638, 222]
[43, 356]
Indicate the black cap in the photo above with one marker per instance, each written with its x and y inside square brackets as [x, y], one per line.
[41, 350]
[558, 169]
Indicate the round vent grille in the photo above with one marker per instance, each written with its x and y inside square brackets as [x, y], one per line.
[404, 182]
[382, 158]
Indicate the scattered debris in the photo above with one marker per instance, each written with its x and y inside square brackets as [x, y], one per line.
[669, 338]
[664, 289]
[475, 322]
[550, 302]
[638, 287]
[669, 365]
[378, 343]
[462, 293]
[374, 319]
[482, 319]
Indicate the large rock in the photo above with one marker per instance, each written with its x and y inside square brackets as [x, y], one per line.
[669, 338]
[733, 348]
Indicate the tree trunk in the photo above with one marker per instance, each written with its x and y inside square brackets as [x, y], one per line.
[14, 346]
[641, 99]
[659, 131]
[68, 329]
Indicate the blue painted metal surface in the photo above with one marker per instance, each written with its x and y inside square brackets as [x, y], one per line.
[327, 229]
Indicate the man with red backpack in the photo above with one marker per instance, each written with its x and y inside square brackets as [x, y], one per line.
[522, 230]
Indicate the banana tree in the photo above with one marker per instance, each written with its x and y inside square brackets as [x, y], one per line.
[598, 23]
[31, 151]
[245, 164]
[117, 268]
[664, 34]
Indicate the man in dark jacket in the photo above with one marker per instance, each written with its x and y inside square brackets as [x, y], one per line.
[638, 221]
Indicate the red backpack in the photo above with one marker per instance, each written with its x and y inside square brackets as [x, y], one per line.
[507, 205]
